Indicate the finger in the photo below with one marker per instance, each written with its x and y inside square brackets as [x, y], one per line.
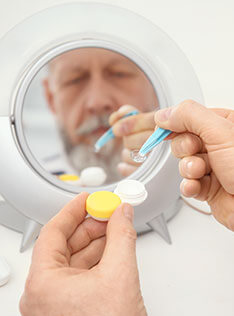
[126, 157]
[170, 136]
[220, 201]
[203, 189]
[51, 247]
[207, 162]
[123, 110]
[190, 116]
[186, 144]
[90, 255]
[193, 167]
[190, 187]
[216, 132]
[120, 250]
[135, 141]
[85, 233]
[67, 220]
[226, 113]
[207, 189]
[134, 124]
[222, 209]
[126, 169]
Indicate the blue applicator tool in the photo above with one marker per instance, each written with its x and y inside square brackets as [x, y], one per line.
[108, 135]
[156, 138]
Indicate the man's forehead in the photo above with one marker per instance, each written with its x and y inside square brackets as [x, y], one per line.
[83, 56]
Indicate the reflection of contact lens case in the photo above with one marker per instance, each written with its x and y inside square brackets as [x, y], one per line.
[92, 176]
[69, 178]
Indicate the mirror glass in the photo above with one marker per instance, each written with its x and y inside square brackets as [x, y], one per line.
[68, 106]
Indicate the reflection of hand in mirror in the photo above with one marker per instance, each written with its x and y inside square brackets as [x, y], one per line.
[134, 131]
[83, 88]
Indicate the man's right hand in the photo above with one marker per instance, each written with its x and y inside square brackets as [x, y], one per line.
[134, 131]
[204, 141]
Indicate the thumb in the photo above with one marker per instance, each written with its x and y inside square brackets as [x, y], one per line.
[120, 250]
[190, 116]
[216, 132]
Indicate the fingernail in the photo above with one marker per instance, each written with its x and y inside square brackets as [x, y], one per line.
[182, 189]
[231, 222]
[125, 108]
[128, 211]
[122, 166]
[124, 128]
[125, 152]
[182, 185]
[189, 165]
[163, 115]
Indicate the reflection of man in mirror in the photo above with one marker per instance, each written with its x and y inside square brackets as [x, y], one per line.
[83, 88]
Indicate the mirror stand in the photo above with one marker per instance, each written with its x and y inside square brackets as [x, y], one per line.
[159, 225]
[13, 219]
[30, 229]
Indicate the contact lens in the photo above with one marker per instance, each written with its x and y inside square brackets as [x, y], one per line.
[137, 157]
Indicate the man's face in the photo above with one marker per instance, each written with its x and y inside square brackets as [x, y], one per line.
[85, 86]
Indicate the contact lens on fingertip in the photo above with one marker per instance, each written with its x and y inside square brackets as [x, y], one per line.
[137, 156]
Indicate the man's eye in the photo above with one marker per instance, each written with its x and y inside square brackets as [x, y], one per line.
[75, 80]
[121, 74]
[71, 82]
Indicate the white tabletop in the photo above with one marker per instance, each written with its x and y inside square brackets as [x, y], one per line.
[194, 276]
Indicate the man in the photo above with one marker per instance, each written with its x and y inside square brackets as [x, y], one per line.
[83, 88]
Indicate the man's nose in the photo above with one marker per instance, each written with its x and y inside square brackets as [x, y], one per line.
[99, 97]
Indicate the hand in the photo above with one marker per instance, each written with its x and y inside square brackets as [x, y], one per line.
[205, 144]
[76, 271]
[134, 131]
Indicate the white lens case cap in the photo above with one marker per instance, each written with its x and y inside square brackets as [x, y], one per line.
[131, 191]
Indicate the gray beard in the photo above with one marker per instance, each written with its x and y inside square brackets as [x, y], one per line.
[83, 156]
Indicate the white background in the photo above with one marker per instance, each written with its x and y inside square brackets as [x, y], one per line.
[203, 29]
[195, 275]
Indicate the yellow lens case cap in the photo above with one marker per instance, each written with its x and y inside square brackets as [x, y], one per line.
[68, 177]
[102, 204]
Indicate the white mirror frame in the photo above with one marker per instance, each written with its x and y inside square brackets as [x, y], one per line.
[27, 47]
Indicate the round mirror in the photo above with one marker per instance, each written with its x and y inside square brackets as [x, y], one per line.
[67, 108]
[62, 83]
